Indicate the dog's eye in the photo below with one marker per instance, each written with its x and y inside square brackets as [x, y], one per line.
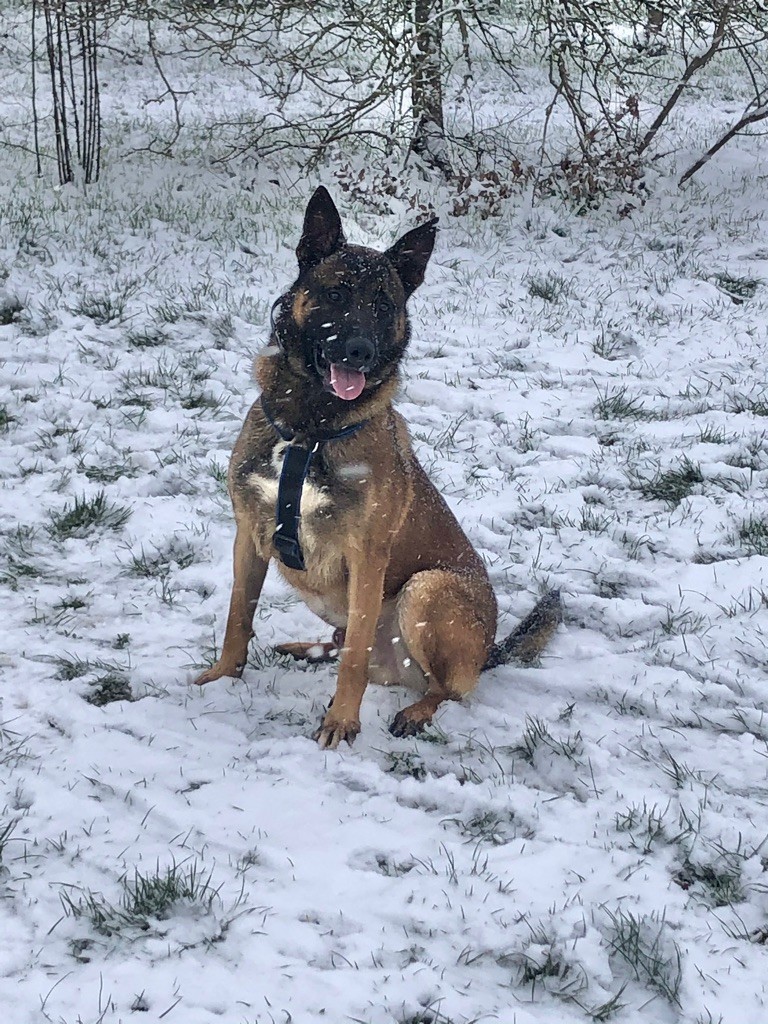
[334, 295]
[383, 305]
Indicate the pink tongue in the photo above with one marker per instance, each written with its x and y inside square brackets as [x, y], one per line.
[346, 383]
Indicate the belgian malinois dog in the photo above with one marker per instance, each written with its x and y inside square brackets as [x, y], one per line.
[323, 479]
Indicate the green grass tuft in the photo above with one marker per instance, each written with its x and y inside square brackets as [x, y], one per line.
[757, 403]
[672, 485]
[719, 887]
[753, 534]
[86, 515]
[738, 288]
[550, 286]
[145, 899]
[406, 764]
[643, 943]
[146, 337]
[5, 418]
[157, 565]
[615, 404]
[110, 688]
[537, 736]
[10, 308]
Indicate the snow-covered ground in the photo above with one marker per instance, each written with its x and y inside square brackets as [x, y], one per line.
[583, 840]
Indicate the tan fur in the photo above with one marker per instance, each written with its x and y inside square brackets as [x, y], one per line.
[301, 306]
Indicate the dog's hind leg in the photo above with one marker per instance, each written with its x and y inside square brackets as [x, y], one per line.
[447, 623]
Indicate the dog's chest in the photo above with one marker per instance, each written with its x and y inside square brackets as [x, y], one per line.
[265, 482]
[323, 500]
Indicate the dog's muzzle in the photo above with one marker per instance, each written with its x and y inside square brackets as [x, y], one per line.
[356, 352]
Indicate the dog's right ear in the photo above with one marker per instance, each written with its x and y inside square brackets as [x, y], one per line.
[322, 232]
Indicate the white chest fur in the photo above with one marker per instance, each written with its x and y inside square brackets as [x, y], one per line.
[313, 498]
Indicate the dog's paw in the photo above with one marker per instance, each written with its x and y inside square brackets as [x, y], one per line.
[313, 653]
[403, 724]
[221, 668]
[333, 730]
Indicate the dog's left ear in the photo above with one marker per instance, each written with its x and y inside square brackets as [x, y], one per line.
[322, 232]
[410, 254]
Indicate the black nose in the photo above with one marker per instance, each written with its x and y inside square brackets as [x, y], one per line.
[359, 353]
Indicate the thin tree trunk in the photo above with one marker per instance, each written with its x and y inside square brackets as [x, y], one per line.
[53, 39]
[91, 95]
[35, 121]
[428, 141]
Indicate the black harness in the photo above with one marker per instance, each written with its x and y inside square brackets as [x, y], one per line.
[296, 465]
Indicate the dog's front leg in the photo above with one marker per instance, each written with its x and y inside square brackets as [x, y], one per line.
[365, 596]
[249, 572]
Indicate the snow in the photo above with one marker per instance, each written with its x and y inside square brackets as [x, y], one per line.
[489, 870]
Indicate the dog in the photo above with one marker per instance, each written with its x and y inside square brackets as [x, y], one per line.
[324, 480]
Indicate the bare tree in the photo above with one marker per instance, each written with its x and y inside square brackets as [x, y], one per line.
[70, 32]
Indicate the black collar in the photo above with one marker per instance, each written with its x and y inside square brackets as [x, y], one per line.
[296, 464]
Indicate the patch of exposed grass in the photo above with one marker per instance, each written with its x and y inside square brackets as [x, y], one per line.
[674, 484]
[542, 962]
[593, 521]
[176, 553]
[643, 824]
[612, 344]
[427, 1016]
[710, 434]
[643, 943]
[5, 418]
[528, 439]
[617, 404]
[85, 514]
[738, 288]
[550, 287]
[756, 403]
[681, 621]
[605, 1011]
[406, 764]
[107, 471]
[68, 668]
[487, 827]
[145, 899]
[17, 558]
[537, 736]
[109, 688]
[218, 473]
[10, 309]
[15, 570]
[434, 734]
[753, 534]
[150, 336]
[754, 454]
[106, 306]
[719, 886]
[13, 747]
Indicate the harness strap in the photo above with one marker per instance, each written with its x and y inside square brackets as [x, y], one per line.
[297, 461]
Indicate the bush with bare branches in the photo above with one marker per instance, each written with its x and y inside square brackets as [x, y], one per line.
[603, 63]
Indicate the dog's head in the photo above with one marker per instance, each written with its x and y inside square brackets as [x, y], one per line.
[343, 324]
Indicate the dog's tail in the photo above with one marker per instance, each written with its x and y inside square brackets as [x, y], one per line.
[526, 642]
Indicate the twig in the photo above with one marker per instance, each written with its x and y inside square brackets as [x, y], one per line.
[760, 114]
